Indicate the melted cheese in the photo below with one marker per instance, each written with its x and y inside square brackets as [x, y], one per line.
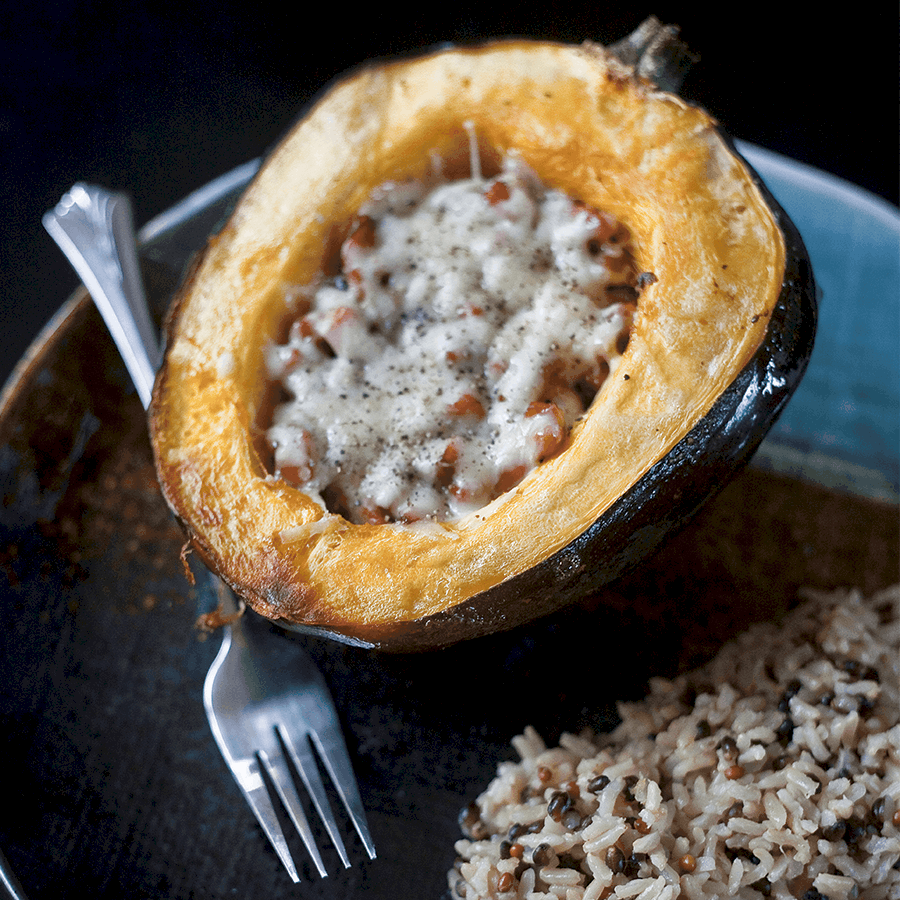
[471, 325]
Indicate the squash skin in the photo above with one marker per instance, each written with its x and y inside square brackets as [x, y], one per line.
[426, 589]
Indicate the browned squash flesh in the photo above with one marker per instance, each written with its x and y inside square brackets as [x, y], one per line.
[586, 125]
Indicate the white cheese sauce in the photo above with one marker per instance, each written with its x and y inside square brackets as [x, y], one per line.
[472, 324]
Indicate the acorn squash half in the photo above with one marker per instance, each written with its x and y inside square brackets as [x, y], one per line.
[721, 340]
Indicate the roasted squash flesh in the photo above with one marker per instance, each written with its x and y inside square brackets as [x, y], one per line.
[585, 125]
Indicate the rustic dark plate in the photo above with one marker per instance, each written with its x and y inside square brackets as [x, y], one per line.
[115, 786]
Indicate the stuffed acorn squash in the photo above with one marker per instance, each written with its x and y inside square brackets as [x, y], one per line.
[723, 330]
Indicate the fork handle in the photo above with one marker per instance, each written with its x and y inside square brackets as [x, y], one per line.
[94, 228]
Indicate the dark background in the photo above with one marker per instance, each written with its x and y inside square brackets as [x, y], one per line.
[157, 98]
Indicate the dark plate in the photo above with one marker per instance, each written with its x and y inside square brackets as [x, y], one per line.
[115, 786]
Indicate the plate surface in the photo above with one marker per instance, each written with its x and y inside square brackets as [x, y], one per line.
[116, 787]
[842, 426]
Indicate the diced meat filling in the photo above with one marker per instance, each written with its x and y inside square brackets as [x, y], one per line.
[471, 325]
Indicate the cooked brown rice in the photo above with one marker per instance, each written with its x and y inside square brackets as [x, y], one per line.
[774, 771]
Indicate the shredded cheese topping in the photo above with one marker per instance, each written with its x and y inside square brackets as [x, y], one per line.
[471, 325]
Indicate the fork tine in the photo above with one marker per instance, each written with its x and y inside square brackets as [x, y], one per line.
[93, 228]
[337, 763]
[305, 763]
[278, 771]
[249, 778]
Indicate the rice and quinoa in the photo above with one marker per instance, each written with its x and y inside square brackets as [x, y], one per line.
[774, 771]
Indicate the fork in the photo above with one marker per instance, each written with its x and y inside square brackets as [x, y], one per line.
[264, 722]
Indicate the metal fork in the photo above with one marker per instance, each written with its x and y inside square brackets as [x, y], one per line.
[260, 718]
